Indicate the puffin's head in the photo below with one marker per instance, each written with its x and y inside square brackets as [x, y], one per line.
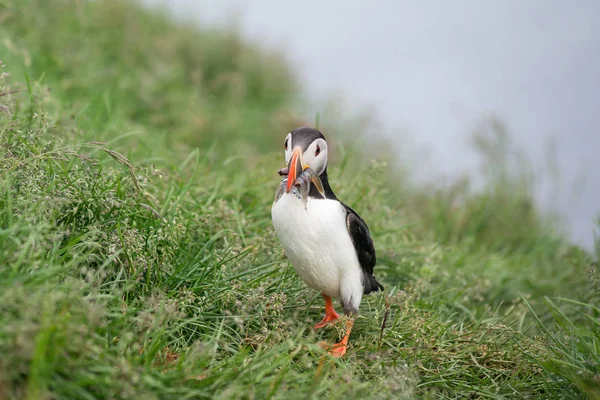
[304, 148]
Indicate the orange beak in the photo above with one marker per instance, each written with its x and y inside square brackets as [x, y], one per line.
[294, 168]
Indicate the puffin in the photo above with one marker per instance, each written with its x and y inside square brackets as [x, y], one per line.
[327, 242]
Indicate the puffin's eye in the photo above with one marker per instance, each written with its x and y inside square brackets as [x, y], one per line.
[286, 143]
[318, 151]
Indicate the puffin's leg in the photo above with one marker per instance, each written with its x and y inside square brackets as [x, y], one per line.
[330, 314]
[339, 349]
[351, 295]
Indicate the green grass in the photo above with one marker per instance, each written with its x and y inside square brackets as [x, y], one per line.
[138, 259]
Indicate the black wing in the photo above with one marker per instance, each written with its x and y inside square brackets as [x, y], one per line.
[363, 244]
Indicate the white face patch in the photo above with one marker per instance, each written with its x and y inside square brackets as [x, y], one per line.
[316, 156]
[288, 147]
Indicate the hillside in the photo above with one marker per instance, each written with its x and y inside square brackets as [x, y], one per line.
[138, 161]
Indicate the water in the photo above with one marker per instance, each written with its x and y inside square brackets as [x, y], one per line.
[431, 69]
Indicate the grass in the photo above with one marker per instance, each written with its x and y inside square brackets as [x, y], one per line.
[138, 259]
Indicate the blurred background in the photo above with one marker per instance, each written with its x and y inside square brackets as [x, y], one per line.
[432, 74]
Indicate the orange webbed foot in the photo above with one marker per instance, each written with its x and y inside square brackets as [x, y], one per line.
[339, 349]
[328, 319]
[330, 314]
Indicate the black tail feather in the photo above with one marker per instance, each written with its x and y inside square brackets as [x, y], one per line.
[370, 284]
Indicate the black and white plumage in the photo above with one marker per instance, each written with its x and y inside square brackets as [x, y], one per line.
[326, 241]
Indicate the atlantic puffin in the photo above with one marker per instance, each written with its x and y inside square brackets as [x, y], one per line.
[327, 242]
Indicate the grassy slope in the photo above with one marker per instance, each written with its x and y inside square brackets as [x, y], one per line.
[137, 257]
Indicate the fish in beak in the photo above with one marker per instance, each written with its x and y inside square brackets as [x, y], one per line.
[300, 175]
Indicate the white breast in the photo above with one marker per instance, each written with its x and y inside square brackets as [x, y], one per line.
[317, 243]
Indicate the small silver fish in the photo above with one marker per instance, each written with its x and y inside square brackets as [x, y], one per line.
[301, 187]
[280, 190]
